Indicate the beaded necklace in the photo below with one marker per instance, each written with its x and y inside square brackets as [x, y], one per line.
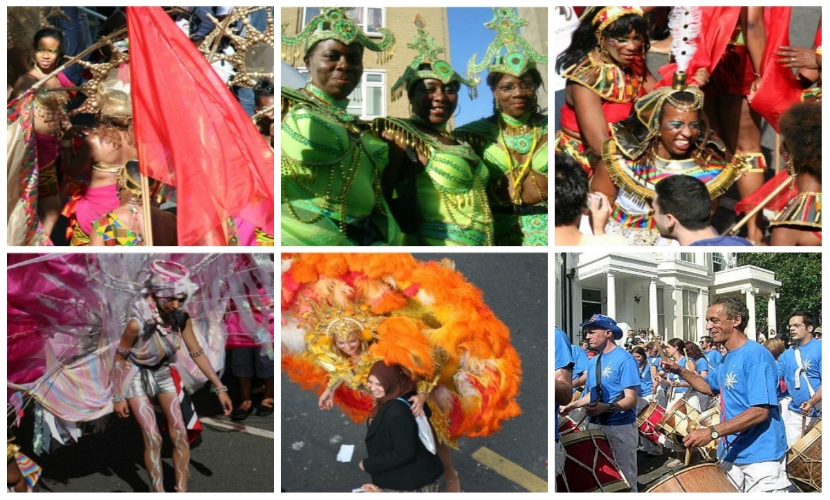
[518, 135]
[441, 128]
[329, 105]
[524, 170]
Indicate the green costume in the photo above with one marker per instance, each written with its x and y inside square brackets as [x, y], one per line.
[331, 165]
[498, 138]
[442, 202]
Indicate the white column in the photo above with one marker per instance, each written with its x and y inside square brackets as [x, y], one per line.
[677, 322]
[703, 304]
[611, 296]
[652, 304]
[750, 322]
[772, 319]
[576, 307]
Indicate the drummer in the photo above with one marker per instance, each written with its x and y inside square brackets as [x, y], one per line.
[645, 394]
[611, 393]
[580, 375]
[800, 367]
[751, 444]
[562, 374]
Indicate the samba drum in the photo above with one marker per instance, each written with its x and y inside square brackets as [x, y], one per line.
[708, 418]
[678, 419]
[589, 464]
[648, 420]
[567, 426]
[804, 460]
[696, 479]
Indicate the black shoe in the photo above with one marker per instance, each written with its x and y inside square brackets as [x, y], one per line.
[264, 411]
[240, 414]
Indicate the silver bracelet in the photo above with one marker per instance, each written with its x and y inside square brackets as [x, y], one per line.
[118, 399]
[197, 353]
[123, 352]
[221, 388]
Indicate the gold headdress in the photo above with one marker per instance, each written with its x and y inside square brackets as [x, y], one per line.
[339, 322]
[130, 184]
[509, 53]
[114, 98]
[608, 15]
[427, 55]
[334, 24]
[253, 55]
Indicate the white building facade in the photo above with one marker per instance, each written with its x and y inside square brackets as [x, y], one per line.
[665, 292]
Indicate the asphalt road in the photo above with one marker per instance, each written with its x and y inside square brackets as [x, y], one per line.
[515, 287]
[221, 460]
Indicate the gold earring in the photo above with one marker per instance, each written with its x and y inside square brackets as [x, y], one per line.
[792, 173]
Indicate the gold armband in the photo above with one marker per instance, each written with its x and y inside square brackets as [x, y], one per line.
[425, 387]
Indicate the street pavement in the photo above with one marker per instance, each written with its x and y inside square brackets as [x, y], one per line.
[221, 460]
[515, 287]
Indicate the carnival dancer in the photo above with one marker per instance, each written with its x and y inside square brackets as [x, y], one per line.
[799, 222]
[434, 184]
[104, 152]
[22, 473]
[331, 170]
[667, 134]
[141, 370]
[343, 312]
[800, 367]
[563, 366]
[513, 141]
[611, 393]
[49, 121]
[606, 72]
[124, 226]
[752, 445]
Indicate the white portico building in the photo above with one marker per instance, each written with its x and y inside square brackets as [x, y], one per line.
[667, 293]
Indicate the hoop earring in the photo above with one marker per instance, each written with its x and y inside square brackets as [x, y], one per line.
[790, 165]
[458, 111]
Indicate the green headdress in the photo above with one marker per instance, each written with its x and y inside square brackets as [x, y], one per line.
[334, 24]
[509, 53]
[427, 54]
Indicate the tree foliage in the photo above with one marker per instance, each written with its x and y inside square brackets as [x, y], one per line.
[800, 277]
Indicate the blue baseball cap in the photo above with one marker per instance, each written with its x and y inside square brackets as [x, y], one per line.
[604, 322]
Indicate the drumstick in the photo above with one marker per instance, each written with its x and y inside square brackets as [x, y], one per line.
[803, 424]
[692, 428]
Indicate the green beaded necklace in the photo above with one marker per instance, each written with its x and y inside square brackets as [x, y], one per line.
[334, 106]
[518, 135]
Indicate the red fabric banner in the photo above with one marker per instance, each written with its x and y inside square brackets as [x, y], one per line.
[193, 134]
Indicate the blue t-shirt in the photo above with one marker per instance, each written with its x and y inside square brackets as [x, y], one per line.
[714, 357]
[646, 382]
[580, 358]
[746, 378]
[618, 372]
[811, 361]
[672, 376]
[722, 241]
[702, 365]
[563, 358]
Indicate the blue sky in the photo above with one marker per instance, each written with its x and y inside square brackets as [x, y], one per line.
[468, 36]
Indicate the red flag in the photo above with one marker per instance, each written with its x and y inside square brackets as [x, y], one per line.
[777, 203]
[192, 133]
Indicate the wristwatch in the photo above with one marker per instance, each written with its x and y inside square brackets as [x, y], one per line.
[713, 434]
[612, 408]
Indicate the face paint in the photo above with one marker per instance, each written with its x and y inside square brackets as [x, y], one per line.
[181, 449]
[146, 417]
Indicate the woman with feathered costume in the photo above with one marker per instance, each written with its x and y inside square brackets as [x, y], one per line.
[423, 316]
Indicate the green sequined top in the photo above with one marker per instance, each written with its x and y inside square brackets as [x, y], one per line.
[520, 225]
[331, 166]
[451, 207]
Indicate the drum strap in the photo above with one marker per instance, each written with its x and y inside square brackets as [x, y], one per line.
[601, 419]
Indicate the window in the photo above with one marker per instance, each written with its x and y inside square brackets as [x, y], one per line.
[718, 263]
[690, 323]
[368, 99]
[368, 18]
[687, 257]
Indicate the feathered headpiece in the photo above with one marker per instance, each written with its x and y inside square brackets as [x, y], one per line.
[168, 278]
[509, 53]
[334, 24]
[427, 55]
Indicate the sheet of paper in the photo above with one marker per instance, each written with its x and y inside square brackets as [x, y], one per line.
[346, 452]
